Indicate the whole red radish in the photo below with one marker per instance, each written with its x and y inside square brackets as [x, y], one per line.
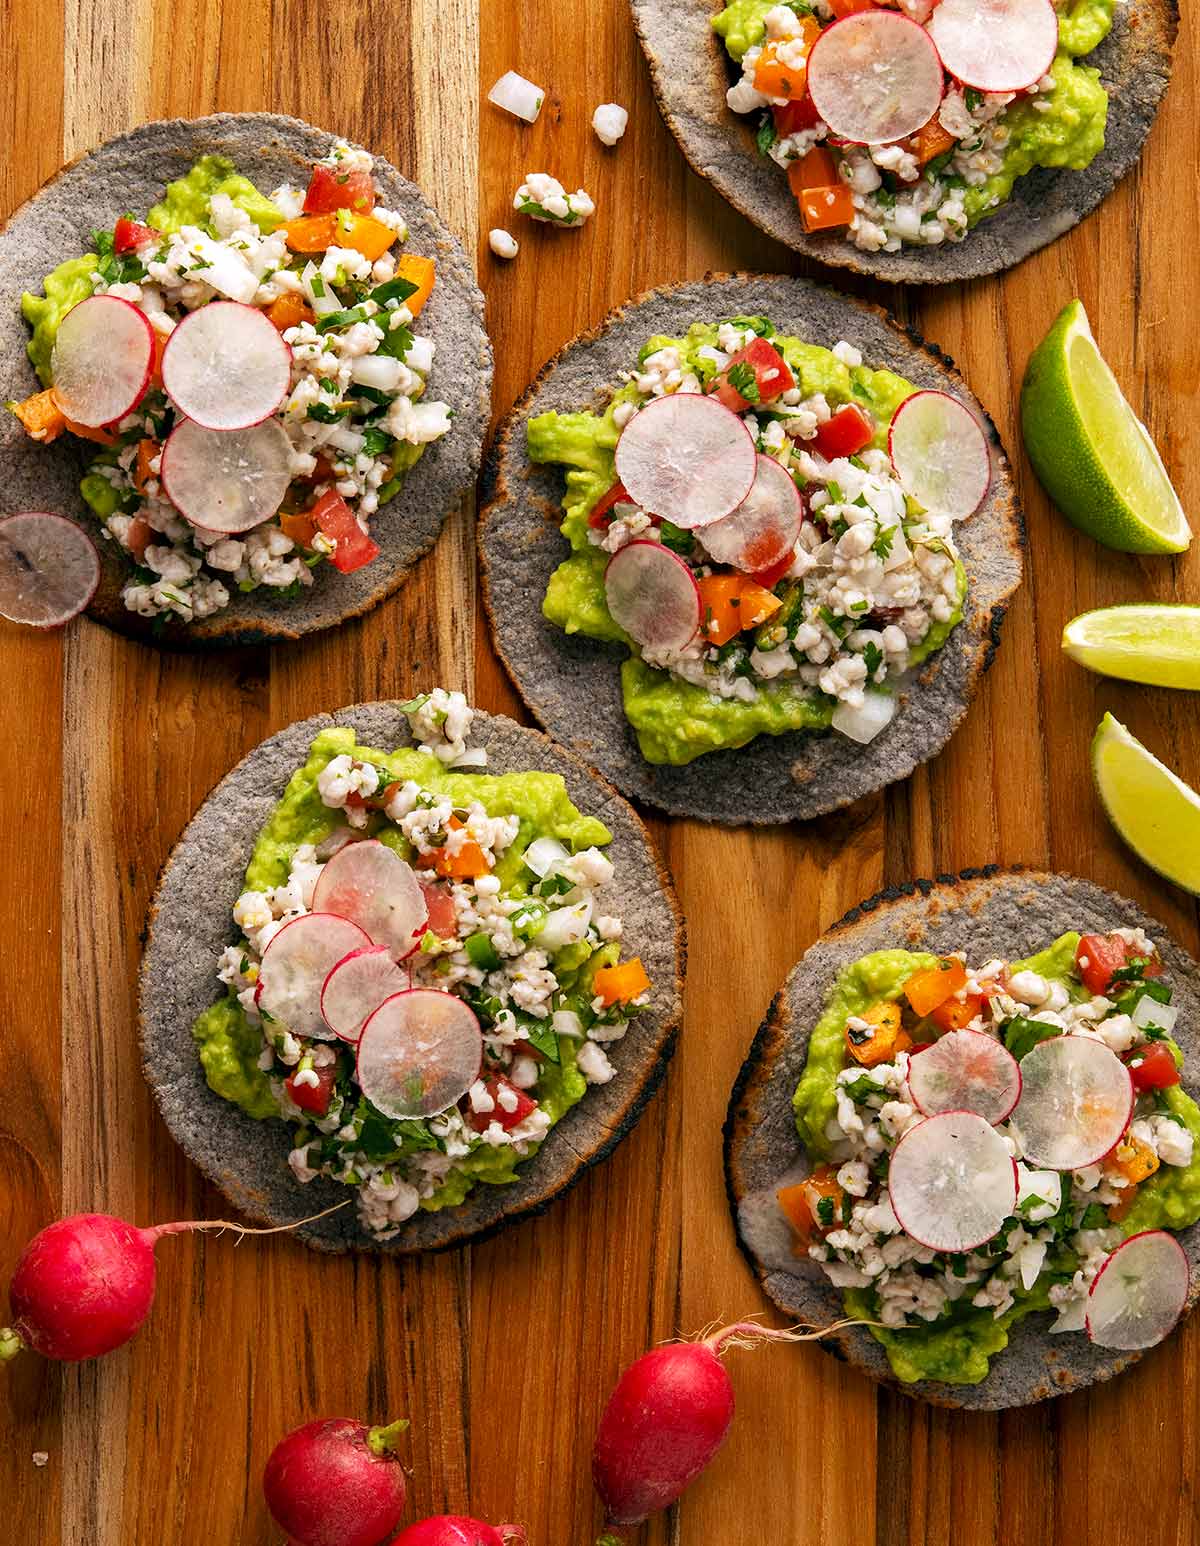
[458, 1530]
[664, 1422]
[84, 1285]
[336, 1482]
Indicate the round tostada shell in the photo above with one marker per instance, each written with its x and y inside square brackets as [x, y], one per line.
[191, 923]
[691, 73]
[129, 173]
[572, 683]
[986, 913]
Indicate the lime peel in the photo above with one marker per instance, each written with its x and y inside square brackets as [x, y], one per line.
[1153, 810]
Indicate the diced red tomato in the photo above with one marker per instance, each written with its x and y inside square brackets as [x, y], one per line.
[330, 188]
[770, 578]
[313, 1097]
[794, 117]
[1098, 956]
[771, 375]
[335, 518]
[601, 517]
[956, 1013]
[443, 919]
[128, 236]
[481, 1120]
[919, 1046]
[843, 8]
[846, 433]
[1153, 1068]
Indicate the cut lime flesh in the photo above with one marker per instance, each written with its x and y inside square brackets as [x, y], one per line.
[1157, 643]
[1090, 451]
[1153, 810]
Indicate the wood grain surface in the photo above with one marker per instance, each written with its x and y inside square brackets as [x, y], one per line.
[502, 1355]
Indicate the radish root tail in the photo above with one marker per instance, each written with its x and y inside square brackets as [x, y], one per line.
[749, 1334]
[191, 1226]
[512, 1535]
[10, 1344]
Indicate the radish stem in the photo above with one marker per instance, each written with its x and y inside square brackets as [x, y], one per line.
[382, 1441]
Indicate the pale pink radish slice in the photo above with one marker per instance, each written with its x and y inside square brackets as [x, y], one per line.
[965, 1071]
[1076, 1101]
[996, 45]
[48, 569]
[356, 986]
[653, 596]
[226, 366]
[764, 527]
[372, 885]
[952, 1181]
[686, 458]
[875, 77]
[419, 1053]
[295, 965]
[227, 480]
[102, 360]
[1139, 1293]
[940, 454]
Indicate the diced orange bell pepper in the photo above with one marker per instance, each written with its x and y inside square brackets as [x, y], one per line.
[956, 1013]
[102, 437]
[43, 419]
[146, 452]
[310, 233]
[883, 1039]
[418, 271]
[299, 526]
[160, 343]
[825, 200]
[1132, 1159]
[619, 984]
[931, 140]
[1119, 1209]
[290, 310]
[801, 1203]
[730, 603]
[139, 536]
[925, 990]
[466, 863]
[774, 76]
[844, 8]
[315, 233]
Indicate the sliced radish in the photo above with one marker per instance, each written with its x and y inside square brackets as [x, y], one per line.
[1139, 1293]
[356, 986]
[227, 480]
[295, 965]
[1076, 1101]
[102, 360]
[952, 1181]
[940, 454]
[370, 884]
[875, 77]
[653, 596]
[48, 569]
[226, 366]
[965, 1071]
[686, 458]
[763, 529]
[996, 45]
[420, 1052]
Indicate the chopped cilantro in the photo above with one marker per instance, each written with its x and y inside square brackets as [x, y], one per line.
[884, 538]
[873, 657]
[742, 379]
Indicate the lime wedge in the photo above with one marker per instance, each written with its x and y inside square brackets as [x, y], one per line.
[1155, 642]
[1152, 809]
[1092, 454]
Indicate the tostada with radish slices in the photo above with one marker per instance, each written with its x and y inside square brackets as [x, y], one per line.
[917, 140]
[966, 1123]
[788, 537]
[412, 955]
[254, 355]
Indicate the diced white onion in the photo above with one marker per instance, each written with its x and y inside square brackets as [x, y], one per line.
[545, 854]
[324, 303]
[517, 96]
[1149, 1011]
[567, 1023]
[380, 371]
[564, 926]
[864, 724]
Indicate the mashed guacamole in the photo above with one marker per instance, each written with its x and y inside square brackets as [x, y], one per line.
[952, 1336]
[684, 708]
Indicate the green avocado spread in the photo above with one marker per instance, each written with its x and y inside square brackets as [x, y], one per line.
[957, 1348]
[677, 721]
[229, 1045]
[186, 202]
[1067, 133]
